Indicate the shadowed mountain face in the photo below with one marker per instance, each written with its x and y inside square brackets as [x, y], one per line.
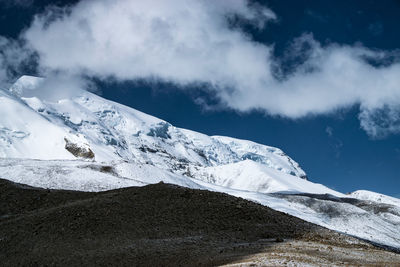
[152, 225]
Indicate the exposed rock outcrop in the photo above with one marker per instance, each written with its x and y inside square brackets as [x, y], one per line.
[79, 151]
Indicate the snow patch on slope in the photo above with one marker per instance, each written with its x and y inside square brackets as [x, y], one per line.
[86, 176]
[254, 176]
[376, 197]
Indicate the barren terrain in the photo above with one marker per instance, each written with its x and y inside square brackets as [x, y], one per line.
[166, 225]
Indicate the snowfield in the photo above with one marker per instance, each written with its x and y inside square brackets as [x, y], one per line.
[84, 142]
[376, 197]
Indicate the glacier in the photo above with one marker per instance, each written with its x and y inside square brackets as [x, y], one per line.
[85, 142]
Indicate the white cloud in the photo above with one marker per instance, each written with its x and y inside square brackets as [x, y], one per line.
[58, 86]
[183, 41]
[191, 41]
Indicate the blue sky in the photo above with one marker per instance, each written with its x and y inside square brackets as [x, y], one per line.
[329, 143]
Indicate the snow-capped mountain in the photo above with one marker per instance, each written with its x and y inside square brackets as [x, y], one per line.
[80, 141]
[88, 126]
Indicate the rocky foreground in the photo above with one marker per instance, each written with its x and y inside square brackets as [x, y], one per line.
[167, 225]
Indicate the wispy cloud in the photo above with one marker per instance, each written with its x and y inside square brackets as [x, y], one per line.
[190, 42]
[376, 28]
[317, 16]
[14, 55]
[381, 121]
[329, 131]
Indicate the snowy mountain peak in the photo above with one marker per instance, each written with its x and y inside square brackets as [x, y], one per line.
[25, 84]
[115, 132]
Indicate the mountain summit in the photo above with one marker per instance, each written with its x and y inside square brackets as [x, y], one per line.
[86, 126]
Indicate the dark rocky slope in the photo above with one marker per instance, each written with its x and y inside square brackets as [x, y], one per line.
[159, 224]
